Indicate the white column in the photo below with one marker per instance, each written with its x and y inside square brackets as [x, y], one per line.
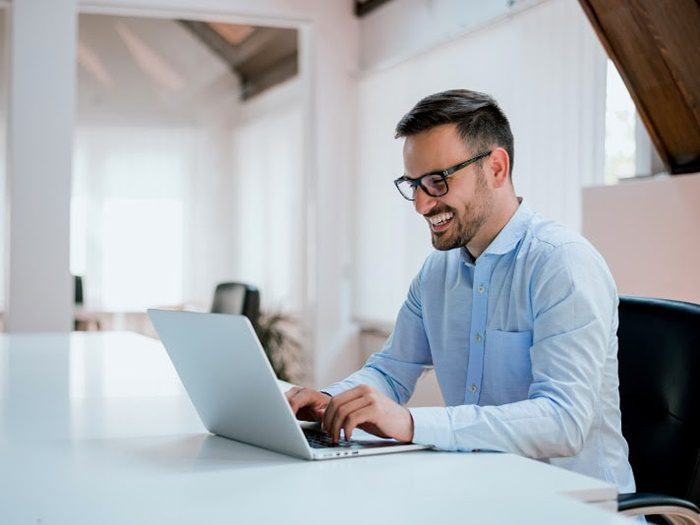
[40, 141]
[334, 104]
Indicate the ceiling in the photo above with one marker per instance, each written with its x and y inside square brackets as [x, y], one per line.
[261, 57]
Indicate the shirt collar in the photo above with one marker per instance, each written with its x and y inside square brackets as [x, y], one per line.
[511, 234]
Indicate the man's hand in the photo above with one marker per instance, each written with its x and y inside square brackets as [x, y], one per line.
[307, 404]
[369, 410]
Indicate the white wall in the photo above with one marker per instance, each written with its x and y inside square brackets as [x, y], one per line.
[268, 197]
[647, 232]
[4, 44]
[402, 29]
[549, 82]
[40, 112]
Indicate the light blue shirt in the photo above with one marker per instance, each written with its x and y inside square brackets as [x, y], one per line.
[524, 346]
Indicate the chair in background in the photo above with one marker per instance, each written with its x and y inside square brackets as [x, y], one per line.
[78, 290]
[659, 367]
[83, 321]
[237, 298]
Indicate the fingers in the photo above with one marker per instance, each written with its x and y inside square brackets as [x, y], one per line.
[342, 411]
[294, 399]
[306, 403]
[347, 418]
[369, 409]
[339, 400]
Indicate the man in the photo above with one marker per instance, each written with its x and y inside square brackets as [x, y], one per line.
[517, 315]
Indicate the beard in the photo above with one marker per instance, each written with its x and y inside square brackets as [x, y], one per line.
[467, 221]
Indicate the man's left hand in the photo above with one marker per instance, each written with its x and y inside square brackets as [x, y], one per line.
[369, 410]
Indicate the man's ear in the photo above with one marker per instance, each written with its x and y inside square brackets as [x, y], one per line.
[499, 162]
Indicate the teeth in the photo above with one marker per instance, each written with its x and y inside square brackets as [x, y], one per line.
[439, 219]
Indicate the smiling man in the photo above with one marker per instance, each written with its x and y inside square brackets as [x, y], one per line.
[517, 314]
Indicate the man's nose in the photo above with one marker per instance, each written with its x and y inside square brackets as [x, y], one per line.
[423, 202]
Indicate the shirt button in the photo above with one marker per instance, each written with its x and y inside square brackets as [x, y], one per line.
[477, 337]
[481, 288]
[473, 388]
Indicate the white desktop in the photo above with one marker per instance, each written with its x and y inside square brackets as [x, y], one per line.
[96, 428]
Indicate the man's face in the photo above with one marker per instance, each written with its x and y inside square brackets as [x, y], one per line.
[456, 217]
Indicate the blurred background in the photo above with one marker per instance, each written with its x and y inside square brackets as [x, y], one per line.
[149, 154]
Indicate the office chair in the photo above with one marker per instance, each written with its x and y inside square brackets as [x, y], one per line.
[237, 298]
[659, 365]
[82, 320]
[78, 290]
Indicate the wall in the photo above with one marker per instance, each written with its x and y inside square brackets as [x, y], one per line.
[39, 294]
[402, 29]
[268, 198]
[4, 41]
[647, 232]
[551, 85]
[329, 56]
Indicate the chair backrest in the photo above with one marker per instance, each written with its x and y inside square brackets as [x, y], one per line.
[237, 298]
[78, 290]
[659, 359]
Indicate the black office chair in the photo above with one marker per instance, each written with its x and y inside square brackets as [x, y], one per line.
[78, 290]
[82, 320]
[659, 367]
[237, 298]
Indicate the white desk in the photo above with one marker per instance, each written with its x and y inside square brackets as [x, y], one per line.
[96, 428]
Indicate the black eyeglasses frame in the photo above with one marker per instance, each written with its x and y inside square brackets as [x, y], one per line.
[415, 183]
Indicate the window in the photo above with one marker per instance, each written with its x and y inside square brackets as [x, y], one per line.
[629, 151]
[128, 215]
[620, 129]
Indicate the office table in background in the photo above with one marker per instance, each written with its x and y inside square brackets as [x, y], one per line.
[97, 428]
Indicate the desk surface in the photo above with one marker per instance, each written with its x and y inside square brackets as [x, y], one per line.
[96, 428]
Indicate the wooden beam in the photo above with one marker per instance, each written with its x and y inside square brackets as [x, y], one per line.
[654, 45]
[214, 41]
[267, 57]
[282, 70]
[364, 7]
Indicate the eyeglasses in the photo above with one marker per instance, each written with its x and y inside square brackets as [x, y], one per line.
[433, 183]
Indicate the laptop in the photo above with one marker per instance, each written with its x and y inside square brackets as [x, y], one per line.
[236, 393]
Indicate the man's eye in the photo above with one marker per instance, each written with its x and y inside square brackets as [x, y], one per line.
[434, 181]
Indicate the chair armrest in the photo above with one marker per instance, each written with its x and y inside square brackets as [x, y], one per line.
[675, 510]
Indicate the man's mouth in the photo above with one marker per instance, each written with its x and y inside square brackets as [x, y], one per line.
[441, 221]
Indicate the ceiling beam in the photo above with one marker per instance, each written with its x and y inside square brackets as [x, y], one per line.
[214, 41]
[364, 7]
[267, 57]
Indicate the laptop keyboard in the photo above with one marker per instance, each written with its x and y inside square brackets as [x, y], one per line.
[318, 439]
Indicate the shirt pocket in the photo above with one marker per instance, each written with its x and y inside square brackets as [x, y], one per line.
[507, 366]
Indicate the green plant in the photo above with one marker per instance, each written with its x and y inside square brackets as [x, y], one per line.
[282, 349]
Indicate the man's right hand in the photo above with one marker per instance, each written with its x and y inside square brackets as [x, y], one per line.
[307, 404]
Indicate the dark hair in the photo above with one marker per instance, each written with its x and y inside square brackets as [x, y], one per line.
[479, 120]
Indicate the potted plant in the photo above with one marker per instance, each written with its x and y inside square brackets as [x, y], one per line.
[282, 349]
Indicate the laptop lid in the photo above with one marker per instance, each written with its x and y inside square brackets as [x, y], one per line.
[229, 379]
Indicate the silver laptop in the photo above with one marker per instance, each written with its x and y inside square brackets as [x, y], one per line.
[233, 388]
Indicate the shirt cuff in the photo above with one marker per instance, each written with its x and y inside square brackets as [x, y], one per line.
[431, 426]
[334, 389]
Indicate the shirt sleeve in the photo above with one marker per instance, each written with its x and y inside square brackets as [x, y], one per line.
[574, 304]
[405, 356]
